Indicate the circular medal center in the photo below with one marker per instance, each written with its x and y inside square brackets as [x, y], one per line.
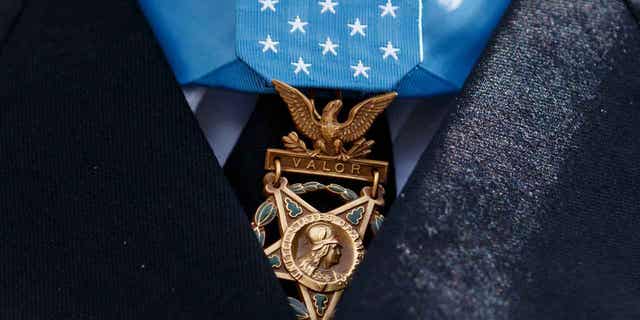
[321, 251]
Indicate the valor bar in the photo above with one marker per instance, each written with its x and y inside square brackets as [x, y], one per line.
[356, 169]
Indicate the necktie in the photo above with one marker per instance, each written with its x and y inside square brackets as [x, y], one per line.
[9, 10]
[635, 7]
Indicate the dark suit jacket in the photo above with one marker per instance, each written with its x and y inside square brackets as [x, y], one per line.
[525, 206]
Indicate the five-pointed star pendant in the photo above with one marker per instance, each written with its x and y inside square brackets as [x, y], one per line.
[328, 5]
[360, 69]
[291, 210]
[357, 27]
[389, 50]
[297, 24]
[329, 46]
[301, 66]
[388, 8]
[269, 44]
[268, 4]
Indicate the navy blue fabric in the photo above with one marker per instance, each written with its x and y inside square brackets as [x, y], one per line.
[635, 8]
[524, 207]
[112, 205]
[527, 203]
[9, 10]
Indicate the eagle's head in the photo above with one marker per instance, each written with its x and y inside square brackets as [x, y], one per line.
[331, 110]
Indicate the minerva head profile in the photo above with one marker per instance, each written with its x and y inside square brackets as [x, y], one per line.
[326, 250]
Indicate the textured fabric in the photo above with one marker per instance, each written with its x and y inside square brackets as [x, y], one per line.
[439, 42]
[635, 8]
[111, 203]
[9, 10]
[525, 206]
[423, 120]
[527, 203]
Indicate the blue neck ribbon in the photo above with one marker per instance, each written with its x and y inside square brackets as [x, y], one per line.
[419, 48]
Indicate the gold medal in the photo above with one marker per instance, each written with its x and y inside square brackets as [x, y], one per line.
[319, 250]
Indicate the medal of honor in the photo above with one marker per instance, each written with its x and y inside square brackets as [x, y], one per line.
[320, 250]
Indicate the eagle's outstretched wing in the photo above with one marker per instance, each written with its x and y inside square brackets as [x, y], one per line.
[361, 117]
[302, 109]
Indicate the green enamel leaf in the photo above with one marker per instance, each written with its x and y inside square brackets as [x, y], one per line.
[299, 308]
[313, 186]
[297, 188]
[336, 188]
[260, 235]
[346, 194]
[350, 195]
[265, 214]
[376, 222]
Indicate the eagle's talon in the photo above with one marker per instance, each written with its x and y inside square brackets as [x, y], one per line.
[344, 157]
[314, 153]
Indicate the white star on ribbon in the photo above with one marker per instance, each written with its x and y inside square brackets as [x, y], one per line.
[389, 50]
[297, 24]
[269, 44]
[357, 27]
[329, 46]
[301, 66]
[268, 4]
[360, 69]
[328, 5]
[388, 8]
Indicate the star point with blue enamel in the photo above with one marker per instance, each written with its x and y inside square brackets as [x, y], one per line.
[317, 250]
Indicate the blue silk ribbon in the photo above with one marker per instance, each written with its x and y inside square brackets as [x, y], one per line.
[215, 43]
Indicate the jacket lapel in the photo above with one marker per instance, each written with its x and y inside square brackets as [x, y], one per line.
[115, 206]
[525, 204]
[9, 11]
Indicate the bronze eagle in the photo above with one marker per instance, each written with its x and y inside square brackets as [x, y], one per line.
[329, 136]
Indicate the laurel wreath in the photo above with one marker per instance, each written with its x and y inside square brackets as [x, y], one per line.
[293, 143]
